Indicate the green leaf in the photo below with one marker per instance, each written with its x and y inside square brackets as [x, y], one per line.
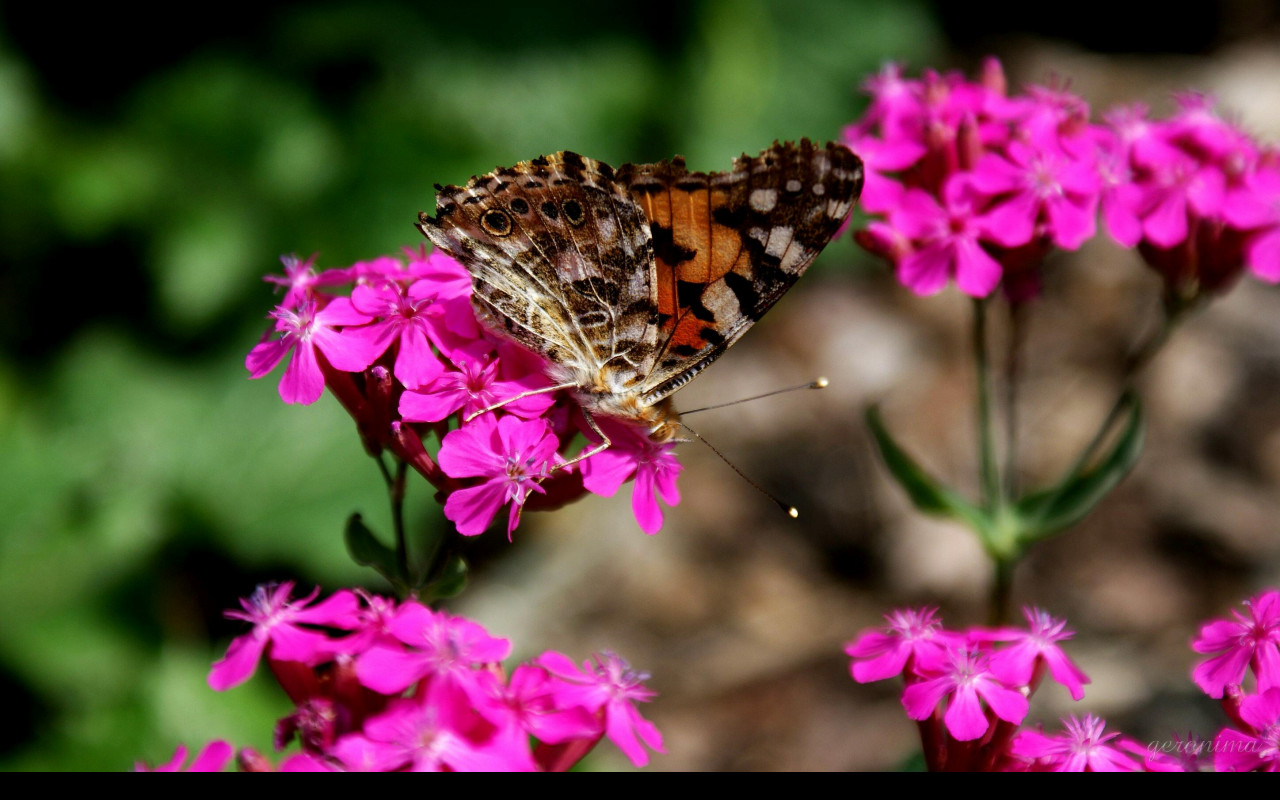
[926, 493]
[367, 551]
[1050, 511]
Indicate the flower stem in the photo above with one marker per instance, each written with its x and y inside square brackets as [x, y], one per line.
[1013, 376]
[1133, 365]
[990, 474]
[1001, 593]
[396, 491]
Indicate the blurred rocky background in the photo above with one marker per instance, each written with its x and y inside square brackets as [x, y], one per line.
[151, 173]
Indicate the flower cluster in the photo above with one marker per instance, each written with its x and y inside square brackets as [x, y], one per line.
[407, 358]
[965, 181]
[1247, 645]
[1198, 196]
[405, 688]
[970, 696]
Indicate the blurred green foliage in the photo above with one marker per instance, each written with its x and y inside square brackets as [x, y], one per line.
[146, 186]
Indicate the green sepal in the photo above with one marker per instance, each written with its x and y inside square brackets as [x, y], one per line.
[451, 580]
[927, 493]
[1044, 513]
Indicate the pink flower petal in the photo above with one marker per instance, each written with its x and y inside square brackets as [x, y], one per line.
[977, 273]
[302, 381]
[964, 717]
[238, 665]
[926, 271]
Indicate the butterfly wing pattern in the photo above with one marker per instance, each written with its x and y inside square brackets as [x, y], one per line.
[632, 281]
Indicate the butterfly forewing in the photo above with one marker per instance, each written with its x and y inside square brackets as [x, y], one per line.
[729, 244]
[559, 255]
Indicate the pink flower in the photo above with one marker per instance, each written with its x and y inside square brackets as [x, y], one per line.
[306, 330]
[1255, 206]
[1081, 747]
[1120, 198]
[428, 737]
[1257, 749]
[896, 105]
[450, 279]
[303, 762]
[511, 455]
[444, 649]
[1039, 181]
[301, 279]
[1198, 128]
[608, 687]
[472, 388]
[213, 758]
[946, 242]
[912, 636]
[276, 622]
[369, 625]
[634, 455]
[406, 356]
[1175, 755]
[410, 317]
[529, 702]
[1034, 649]
[1246, 642]
[880, 193]
[966, 680]
[1179, 186]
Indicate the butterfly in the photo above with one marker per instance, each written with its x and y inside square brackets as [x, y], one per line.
[632, 281]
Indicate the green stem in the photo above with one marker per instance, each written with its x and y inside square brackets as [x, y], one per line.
[990, 474]
[1001, 593]
[386, 474]
[1013, 377]
[396, 491]
[1133, 365]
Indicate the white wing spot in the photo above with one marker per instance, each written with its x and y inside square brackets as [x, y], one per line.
[794, 185]
[779, 241]
[819, 189]
[763, 200]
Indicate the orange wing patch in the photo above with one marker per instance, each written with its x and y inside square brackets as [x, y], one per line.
[691, 251]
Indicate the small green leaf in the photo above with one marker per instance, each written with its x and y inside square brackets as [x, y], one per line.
[367, 551]
[1050, 511]
[926, 493]
[451, 581]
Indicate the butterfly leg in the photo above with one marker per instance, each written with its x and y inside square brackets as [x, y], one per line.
[605, 443]
[520, 396]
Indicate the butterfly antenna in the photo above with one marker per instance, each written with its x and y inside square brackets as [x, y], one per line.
[792, 511]
[817, 383]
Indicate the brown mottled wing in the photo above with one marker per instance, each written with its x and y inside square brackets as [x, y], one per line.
[727, 245]
[559, 256]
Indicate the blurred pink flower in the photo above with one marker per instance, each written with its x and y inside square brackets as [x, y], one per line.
[965, 681]
[1081, 747]
[1252, 641]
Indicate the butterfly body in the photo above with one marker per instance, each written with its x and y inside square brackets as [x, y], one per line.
[632, 281]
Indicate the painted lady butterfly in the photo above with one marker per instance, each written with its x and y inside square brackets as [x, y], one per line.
[632, 281]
